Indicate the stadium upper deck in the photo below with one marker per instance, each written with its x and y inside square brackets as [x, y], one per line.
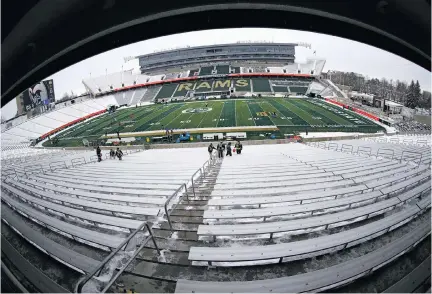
[180, 65]
[270, 53]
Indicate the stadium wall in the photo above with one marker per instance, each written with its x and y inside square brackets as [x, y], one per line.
[359, 111]
[62, 127]
[243, 75]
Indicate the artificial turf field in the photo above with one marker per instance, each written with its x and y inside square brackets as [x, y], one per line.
[288, 114]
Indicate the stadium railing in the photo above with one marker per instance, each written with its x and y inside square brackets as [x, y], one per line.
[98, 270]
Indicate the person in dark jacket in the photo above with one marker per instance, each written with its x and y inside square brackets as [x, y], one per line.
[119, 153]
[220, 150]
[112, 154]
[99, 153]
[210, 150]
[229, 153]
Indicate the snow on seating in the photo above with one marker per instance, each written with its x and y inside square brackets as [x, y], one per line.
[91, 207]
[282, 191]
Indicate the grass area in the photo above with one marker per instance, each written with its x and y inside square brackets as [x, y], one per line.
[288, 114]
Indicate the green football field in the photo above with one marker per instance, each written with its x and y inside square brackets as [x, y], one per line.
[290, 115]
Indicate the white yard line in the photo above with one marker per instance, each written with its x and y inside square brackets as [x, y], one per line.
[176, 116]
[204, 116]
[223, 105]
[251, 114]
[235, 112]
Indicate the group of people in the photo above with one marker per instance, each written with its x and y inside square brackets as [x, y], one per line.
[221, 147]
[113, 154]
[169, 134]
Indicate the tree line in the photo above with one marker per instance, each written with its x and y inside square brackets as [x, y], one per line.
[409, 95]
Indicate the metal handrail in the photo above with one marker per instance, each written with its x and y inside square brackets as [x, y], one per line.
[76, 159]
[52, 163]
[378, 152]
[170, 198]
[113, 279]
[411, 157]
[98, 269]
[192, 180]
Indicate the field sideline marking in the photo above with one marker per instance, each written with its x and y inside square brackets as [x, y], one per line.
[251, 114]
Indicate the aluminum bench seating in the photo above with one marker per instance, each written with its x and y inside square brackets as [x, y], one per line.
[91, 188]
[102, 179]
[283, 169]
[75, 260]
[405, 184]
[298, 198]
[282, 160]
[91, 195]
[360, 168]
[394, 178]
[311, 208]
[53, 180]
[306, 248]
[425, 202]
[169, 169]
[274, 178]
[119, 176]
[378, 173]
[420, 189]
[280, 190]
[364, 162]
[35, 276]
[84, 204]
[411, 282]
[241, 175]
[148, 172]
[106, 240]
[305, 181]
[319, 280]
[338, 164]
[95, 218]
[297, 225]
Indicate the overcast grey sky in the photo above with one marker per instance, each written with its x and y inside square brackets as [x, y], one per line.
[341, 54]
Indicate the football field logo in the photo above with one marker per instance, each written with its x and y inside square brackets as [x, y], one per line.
[197, 110]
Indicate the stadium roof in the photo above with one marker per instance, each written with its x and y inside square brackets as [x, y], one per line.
[41, 39]
[216, 45]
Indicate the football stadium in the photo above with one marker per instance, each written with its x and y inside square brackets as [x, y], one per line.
[119, 190]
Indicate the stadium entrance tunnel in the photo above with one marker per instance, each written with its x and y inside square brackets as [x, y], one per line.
[393, 25]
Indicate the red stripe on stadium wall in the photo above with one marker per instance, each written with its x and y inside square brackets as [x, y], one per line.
[359, 111]
[62, 127]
